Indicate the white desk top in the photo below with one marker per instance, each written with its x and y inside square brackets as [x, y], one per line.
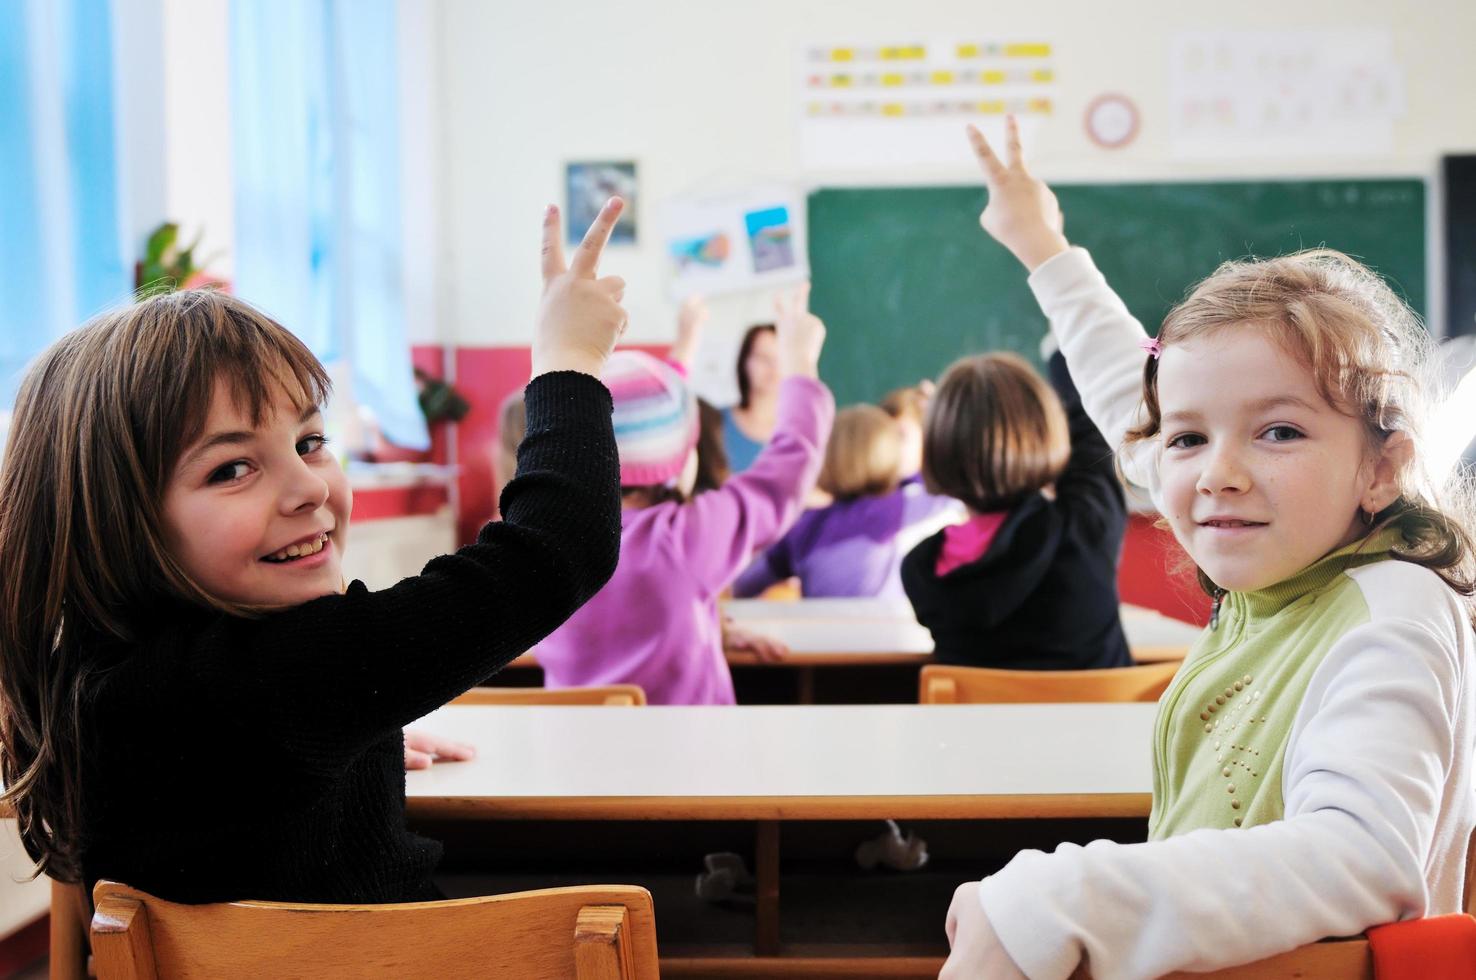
[806, 762]
[887, 626]
[874, 608]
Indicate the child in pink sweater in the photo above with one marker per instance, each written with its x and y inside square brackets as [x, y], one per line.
[656, 623]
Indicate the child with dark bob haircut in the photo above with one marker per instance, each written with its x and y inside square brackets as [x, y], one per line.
[1029, 581]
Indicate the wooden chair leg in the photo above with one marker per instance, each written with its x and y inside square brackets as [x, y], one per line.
[766, 888]
[121, 942]
[68, 933]
[601, 950]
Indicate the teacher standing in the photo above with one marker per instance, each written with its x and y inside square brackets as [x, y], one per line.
[748, 425]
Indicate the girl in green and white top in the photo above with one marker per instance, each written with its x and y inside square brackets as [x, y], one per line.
[1312, 760]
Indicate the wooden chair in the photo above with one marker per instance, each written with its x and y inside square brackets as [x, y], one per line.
[939, 684]
[70, 911]
[1469, 893]
[593, 932]
[612, 695]
[1340, 959]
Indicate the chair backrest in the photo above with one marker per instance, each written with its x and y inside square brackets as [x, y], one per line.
[593, 932]
[1340, 959]
[939, 684]
[610, 695]
[1469, 894]
[70, 910]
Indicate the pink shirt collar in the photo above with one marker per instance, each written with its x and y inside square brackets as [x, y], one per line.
[967, 542]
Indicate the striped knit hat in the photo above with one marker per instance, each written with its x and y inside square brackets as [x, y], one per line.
[655, 417]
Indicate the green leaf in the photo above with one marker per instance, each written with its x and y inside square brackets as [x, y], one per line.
[160, 241]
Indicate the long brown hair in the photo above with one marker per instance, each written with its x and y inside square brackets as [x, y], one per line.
[750, 337]
[99, 425]
[1370, 358]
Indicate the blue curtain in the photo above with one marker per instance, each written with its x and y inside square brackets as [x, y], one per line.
[60, 255]
[317, 175]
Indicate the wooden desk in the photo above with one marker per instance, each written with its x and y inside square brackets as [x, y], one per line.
[851, 633]
[792, 763]
[868, 633]
[765, 765]
[859, 630]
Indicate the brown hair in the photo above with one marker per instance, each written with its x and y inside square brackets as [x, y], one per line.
[1370, 359]
[864, 455]
[99, 425]
[995, 433]
[750, 337]
[713, 468]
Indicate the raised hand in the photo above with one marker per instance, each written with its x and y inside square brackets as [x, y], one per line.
[580, 317]
[1022, 213]
[691, 318]
[800, 333]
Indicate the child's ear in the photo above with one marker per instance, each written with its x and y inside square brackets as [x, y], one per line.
[1386, 481]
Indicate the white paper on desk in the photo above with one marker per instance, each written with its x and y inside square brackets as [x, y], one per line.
[1245, 94]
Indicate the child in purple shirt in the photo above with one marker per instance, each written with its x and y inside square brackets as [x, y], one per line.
[852, 547]
[656, 623]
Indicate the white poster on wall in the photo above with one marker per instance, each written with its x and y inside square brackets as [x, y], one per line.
[1283, 93]
[879, 106]
[725, 243]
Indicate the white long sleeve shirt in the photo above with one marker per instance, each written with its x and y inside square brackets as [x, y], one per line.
[1376, 784]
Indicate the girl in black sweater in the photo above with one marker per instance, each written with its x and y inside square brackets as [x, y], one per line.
[193, 703]
[1029, 582]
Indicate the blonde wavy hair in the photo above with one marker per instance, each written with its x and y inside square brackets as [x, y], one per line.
[1370, 358]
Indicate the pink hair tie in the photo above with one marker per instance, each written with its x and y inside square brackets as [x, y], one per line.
[1152, 345]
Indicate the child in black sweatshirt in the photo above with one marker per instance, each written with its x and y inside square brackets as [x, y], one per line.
[193, 703]
[1030, 580]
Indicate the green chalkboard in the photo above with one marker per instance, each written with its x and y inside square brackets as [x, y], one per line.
[906, 280]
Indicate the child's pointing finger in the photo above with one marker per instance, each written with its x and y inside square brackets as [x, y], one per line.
[587, 259]
[553, 252]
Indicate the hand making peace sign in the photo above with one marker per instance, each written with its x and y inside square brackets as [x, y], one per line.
[580, 317]
[799, 332]
[1022, 213]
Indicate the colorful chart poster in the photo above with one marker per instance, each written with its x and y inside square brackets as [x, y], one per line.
[1283, 93]
[868, 106]
[723, 243]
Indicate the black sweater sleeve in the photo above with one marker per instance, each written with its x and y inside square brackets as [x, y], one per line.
[1088, 492]
[343, 670]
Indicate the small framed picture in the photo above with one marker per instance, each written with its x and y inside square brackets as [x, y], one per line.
[589, 185]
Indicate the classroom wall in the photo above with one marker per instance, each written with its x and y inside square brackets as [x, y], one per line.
[197, 148]
[701, 95]
[22, 898]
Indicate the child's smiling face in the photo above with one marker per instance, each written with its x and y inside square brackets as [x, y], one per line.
[258, 514]
[1261, 476]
